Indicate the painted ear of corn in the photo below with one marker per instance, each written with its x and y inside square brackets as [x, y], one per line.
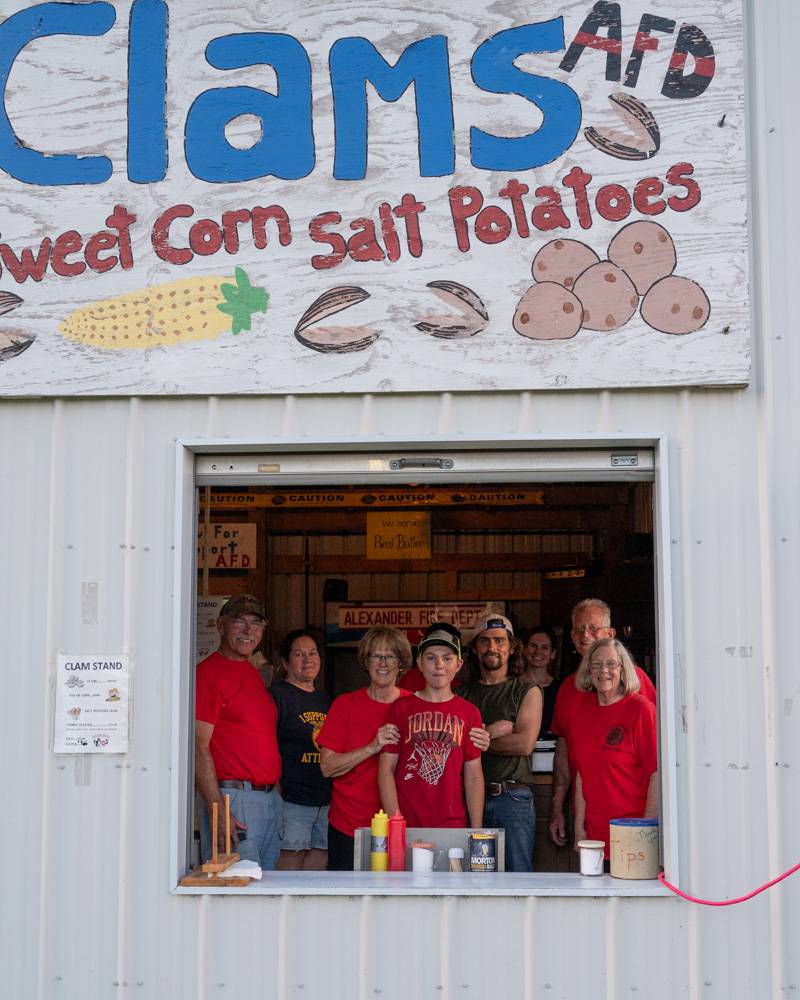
[175, 313]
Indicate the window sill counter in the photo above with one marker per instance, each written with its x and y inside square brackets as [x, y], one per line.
[434, 884]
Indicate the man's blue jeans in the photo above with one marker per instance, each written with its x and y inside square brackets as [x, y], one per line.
[262, 812]
[514, 811]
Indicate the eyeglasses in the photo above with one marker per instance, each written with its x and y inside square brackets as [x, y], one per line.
[389, 659]
[591, 629]
[611, 665]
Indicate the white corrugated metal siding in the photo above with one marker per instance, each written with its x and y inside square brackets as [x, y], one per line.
[88, 490]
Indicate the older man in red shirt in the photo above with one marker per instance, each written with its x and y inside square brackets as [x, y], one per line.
[236, 749]
[591, 620]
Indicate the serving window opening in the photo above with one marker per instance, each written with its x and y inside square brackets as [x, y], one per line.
[339, 557]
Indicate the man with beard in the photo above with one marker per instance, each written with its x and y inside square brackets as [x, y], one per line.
[511, 710]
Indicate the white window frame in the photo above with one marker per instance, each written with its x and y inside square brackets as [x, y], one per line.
[580, 458]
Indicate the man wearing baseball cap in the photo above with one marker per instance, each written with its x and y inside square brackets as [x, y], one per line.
[236, 749]
[511, 710]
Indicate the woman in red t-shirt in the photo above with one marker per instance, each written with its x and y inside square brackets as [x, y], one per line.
[615, 743]
[351, 739]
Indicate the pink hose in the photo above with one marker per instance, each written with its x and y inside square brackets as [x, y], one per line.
[727, 902]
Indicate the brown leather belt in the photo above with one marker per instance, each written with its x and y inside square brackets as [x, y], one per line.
[500, 787]
[230, 783]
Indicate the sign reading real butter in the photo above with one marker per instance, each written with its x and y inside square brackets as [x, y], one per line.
[399, 536]
[254, 197]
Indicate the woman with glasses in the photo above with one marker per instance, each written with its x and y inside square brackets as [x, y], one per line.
[351, 740]
[306, 792]
[614, 736]
[540, 653]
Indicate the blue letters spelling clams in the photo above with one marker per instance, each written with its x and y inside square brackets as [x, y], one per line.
[286, 148]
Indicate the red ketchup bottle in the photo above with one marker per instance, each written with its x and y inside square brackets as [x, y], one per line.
[397, 843]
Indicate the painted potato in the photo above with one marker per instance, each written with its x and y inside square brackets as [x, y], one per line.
[645, 252]
[562, 261]
[608, 297]
[548, 311]
[676, 305]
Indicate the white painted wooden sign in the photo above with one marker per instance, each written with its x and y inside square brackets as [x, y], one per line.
[286, 197]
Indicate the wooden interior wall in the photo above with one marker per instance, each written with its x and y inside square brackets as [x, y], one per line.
[477, 554]
[419, 582]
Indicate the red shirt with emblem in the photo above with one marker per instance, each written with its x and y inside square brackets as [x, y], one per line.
[567, 698]
[615, 754]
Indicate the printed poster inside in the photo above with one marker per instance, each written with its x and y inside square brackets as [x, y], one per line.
[208, 609]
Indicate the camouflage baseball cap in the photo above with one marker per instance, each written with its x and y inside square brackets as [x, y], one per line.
[242, 604]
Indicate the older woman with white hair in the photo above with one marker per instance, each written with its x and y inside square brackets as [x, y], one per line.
[615, 743]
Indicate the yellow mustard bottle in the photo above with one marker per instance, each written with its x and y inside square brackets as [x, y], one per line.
[379, 846]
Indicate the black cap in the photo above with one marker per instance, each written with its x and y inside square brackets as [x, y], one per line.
[441, 634]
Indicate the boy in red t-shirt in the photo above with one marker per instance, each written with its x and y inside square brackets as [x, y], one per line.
[433, 775]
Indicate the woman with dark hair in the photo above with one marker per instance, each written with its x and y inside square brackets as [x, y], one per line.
[306, 792]
[614, 735]
[351, 740]
[540, 653]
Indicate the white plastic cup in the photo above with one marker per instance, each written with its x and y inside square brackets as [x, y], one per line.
[591, 852]
[422, 857]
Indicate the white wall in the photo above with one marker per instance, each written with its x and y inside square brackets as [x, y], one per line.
[88, 496]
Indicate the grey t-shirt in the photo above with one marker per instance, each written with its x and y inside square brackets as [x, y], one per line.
[494, 702]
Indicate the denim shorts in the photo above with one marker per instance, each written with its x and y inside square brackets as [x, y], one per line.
[304, 827]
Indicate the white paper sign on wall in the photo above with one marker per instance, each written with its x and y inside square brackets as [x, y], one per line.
[91, 713]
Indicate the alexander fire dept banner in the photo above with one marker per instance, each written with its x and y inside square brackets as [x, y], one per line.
[371, 196]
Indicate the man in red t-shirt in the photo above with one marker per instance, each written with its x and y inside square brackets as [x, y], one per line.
[236, 749]
[433, 775]
[591, 620]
